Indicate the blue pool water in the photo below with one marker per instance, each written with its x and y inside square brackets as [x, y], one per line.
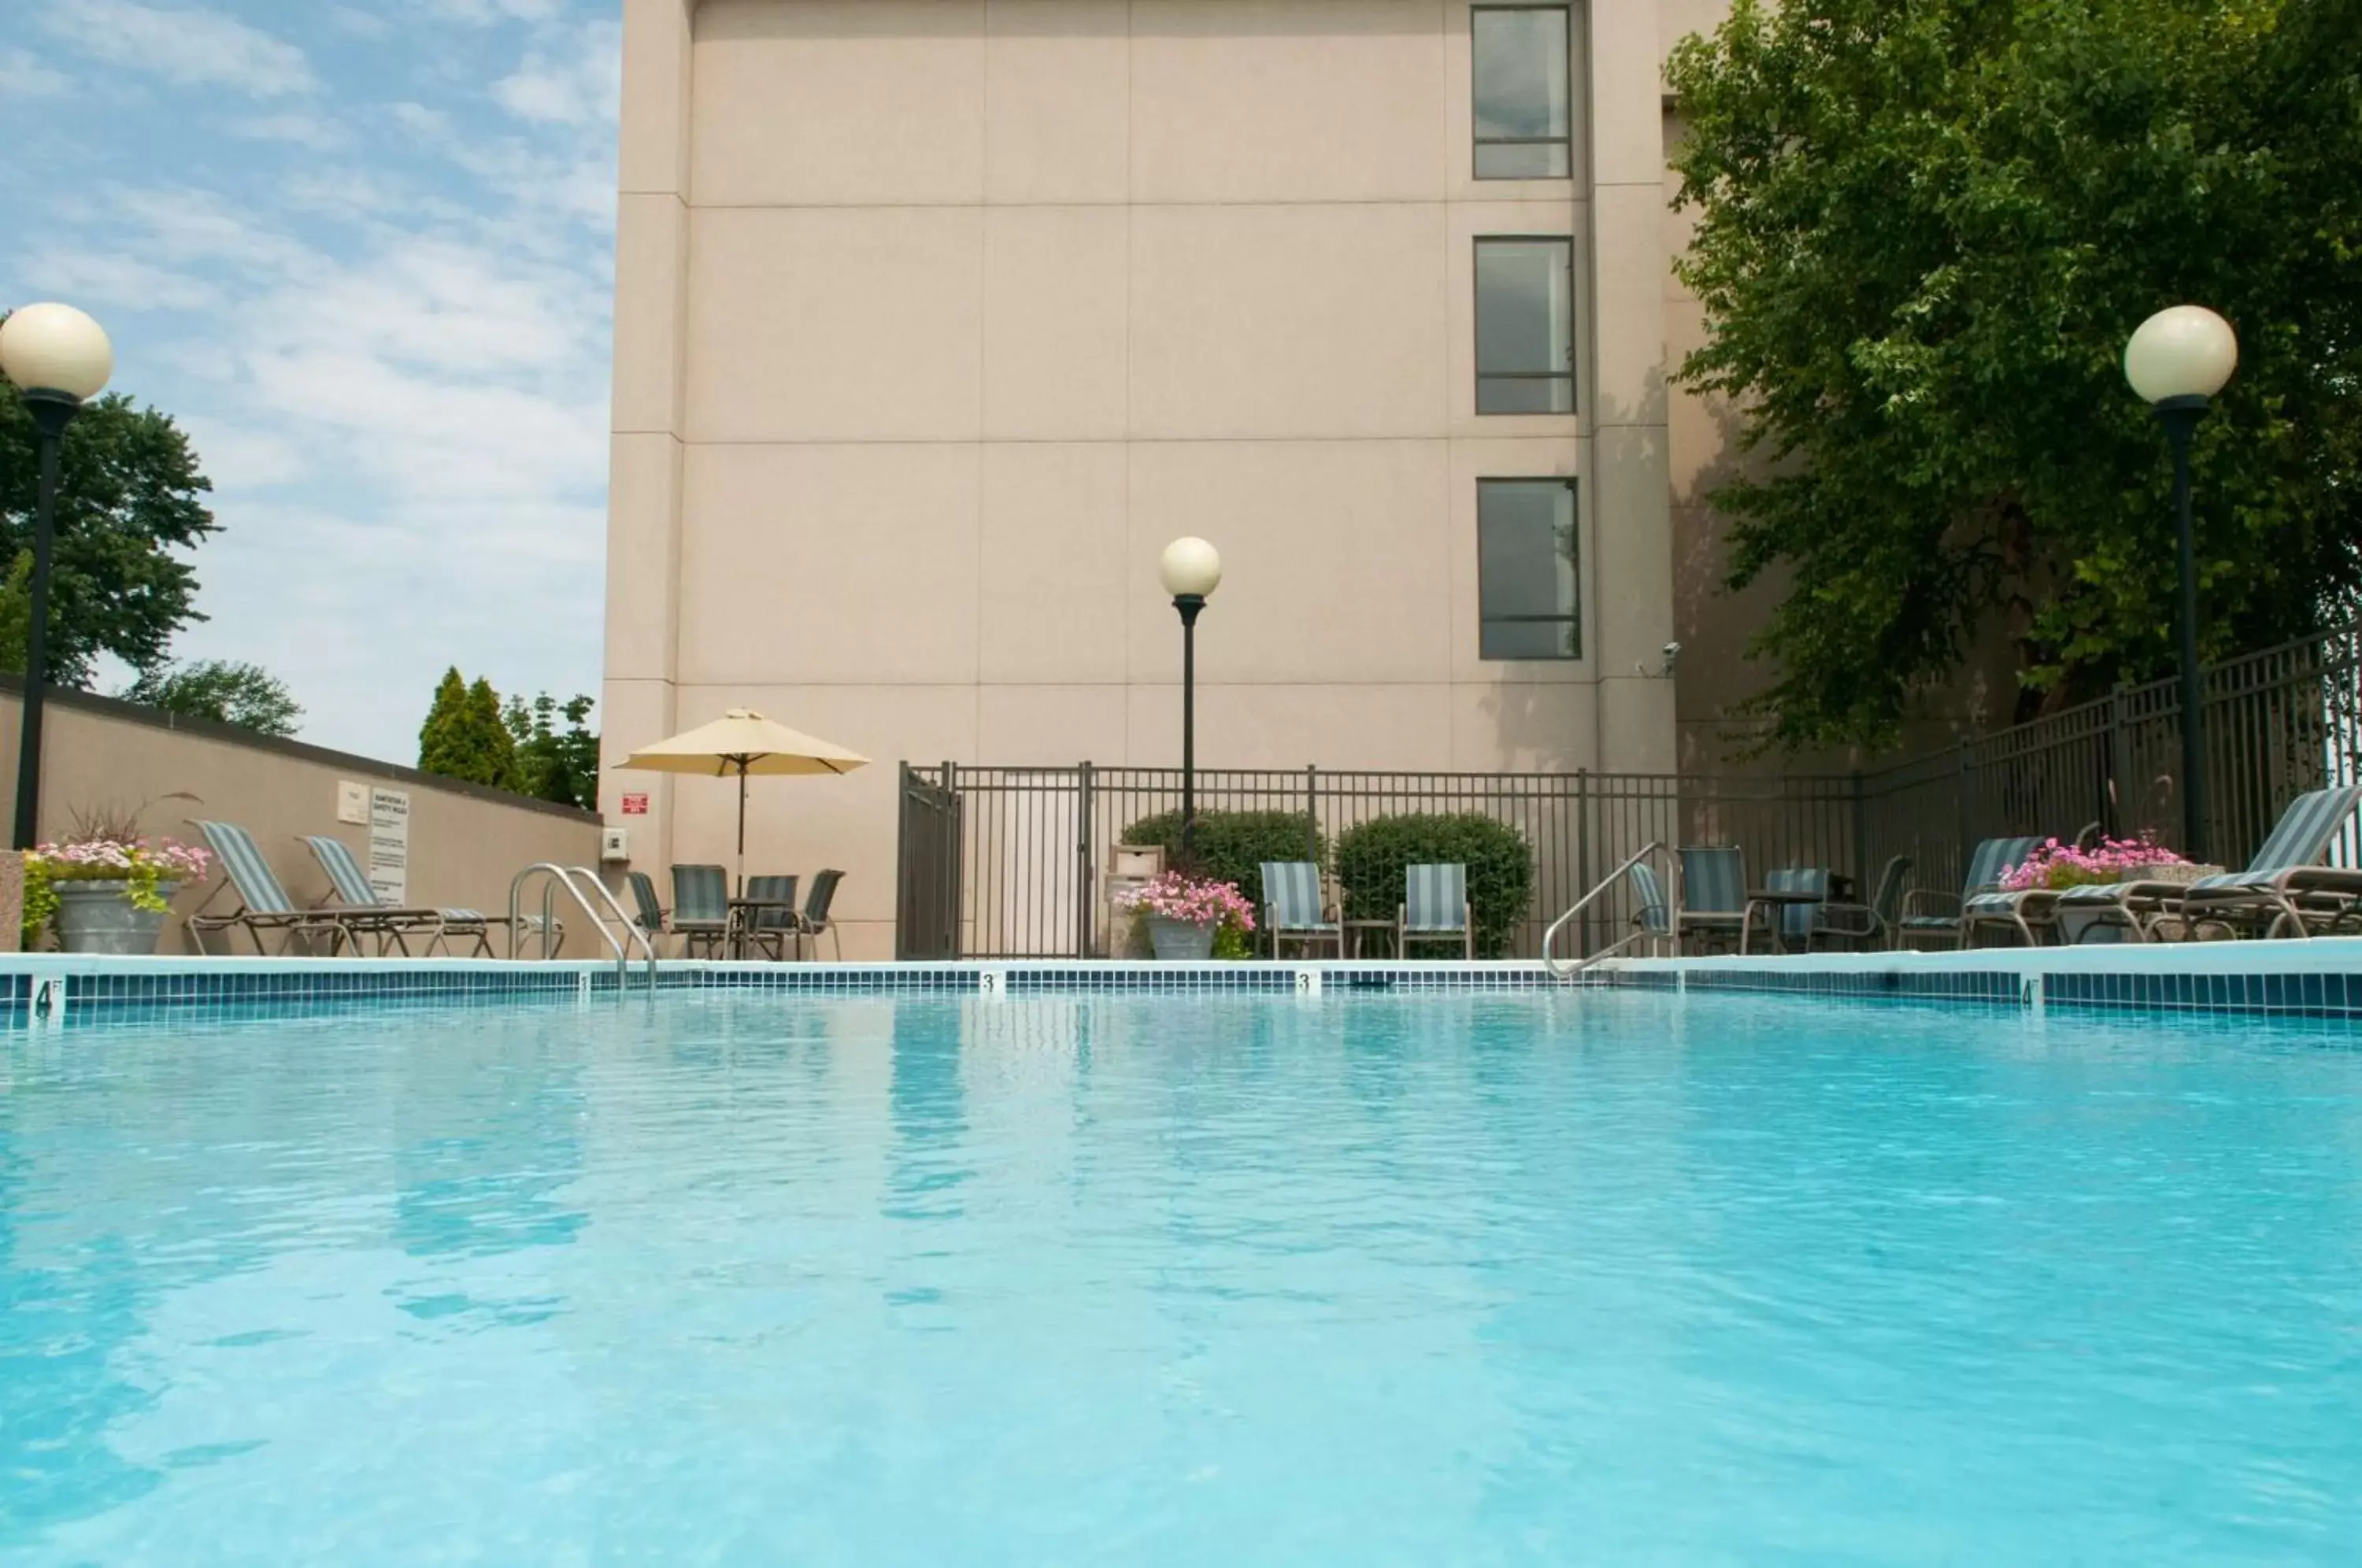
[1514, 1279]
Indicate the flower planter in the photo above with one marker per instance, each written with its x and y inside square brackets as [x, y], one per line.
[1180, 941]
[99, 917]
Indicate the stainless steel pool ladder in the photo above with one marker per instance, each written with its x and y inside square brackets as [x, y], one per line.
[1576, 965]
[573, 878]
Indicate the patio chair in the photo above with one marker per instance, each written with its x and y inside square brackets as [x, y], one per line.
[700, 908]
[815, 918]
[1925, 921]
[263, 904]
[649, 914]
[395, 924]
[772, 926]
[2285, 887]
[1652, 912]
[1435, 908]
[1293, 910]
[1714, 902]
[1871, 925]
[1798, 924]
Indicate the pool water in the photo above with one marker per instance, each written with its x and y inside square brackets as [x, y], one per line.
[1482, 1279]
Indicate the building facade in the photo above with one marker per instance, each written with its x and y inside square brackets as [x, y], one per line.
[937, 319]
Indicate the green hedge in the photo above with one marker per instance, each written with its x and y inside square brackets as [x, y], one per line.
[1371, 860]
[1233, 846]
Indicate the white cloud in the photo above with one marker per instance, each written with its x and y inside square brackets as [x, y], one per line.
[579, 86]
[112, 280]
[295, 126]
[24, 74]
[186, 46]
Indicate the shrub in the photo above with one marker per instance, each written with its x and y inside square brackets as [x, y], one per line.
[1371, 860]
[1233, 846]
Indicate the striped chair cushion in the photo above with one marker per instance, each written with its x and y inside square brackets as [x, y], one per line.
[2234, 879]
[1651, 911]
[248, 872]
[2092, 893]
[2305, 829]
[1993, 860]
[1291, 890]
[701, 895]
[1796, 919]
[1714, 879]
[1435, 898]
[1930, 923]
[1994, 903]
[345, 873]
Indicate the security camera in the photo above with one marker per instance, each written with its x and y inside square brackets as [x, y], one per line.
[1672, 655]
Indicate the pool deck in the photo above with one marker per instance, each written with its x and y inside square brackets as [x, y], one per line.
[2317, 978]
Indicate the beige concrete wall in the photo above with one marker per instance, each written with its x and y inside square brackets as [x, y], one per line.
[936, 319]
[464, 846]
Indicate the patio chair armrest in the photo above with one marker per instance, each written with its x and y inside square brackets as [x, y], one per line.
[1836, 911]
[1950, 905]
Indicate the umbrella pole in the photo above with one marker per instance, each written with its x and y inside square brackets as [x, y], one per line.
[742, 830]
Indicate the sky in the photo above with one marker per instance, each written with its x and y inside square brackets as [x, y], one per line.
[362, 252]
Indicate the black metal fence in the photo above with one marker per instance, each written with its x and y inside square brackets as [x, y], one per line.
[1012, 862]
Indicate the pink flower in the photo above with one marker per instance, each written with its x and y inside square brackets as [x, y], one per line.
[1199, 902]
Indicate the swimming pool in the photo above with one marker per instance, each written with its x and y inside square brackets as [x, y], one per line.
[1543, 1277]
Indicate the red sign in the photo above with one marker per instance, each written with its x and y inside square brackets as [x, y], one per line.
[635, 805]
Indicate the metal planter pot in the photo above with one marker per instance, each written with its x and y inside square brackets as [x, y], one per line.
[99, 917]
[1182, 941]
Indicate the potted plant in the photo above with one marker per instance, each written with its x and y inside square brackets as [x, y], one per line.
[1184, 913]
[2053, 865]
[106, 893]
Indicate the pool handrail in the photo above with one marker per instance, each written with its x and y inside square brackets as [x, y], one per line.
[1549, 938]
[566, 876]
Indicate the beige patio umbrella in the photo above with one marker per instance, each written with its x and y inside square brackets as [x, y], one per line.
[743, 742]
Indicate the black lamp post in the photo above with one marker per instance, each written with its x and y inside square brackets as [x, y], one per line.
[1191, 570]
[2177, 359]
[59, 358]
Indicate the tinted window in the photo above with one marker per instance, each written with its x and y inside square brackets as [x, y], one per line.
[1525, 326]
[1526, 569]
[1522, 107]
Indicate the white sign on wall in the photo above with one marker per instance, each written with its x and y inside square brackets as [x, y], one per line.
[389, 851]
[352, 804]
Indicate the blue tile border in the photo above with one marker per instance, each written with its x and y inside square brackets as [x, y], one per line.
[2322, 979]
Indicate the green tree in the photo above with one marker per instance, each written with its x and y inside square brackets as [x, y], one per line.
[1924, 230]
[463, 736]
[129, 498]
[231, 693]
[16, 614]
[554, 764]
[491, 735]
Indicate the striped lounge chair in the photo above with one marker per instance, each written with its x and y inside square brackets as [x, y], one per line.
[2285, 889]
[395, 926]
[700, 908]
[770, 923]
[1872, 924]
[264, 905]
[1652, 912]
[814, 920]
[1293, 910]
[1798, 924]
[1714, 902]
[1435, 909]
[1924, 922]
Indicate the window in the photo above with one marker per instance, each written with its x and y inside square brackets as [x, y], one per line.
[1525, 326]
[1526, 569]
[1520, 94]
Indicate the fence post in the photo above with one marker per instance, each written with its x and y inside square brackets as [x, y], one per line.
[1861, 840]
[1311, 814]
[2119, 762]
[1960, 787]
[902, 899]
[956, 862]
[1582, 860]
[1086, 861]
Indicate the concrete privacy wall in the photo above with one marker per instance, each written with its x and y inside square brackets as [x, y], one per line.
[465, 841]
